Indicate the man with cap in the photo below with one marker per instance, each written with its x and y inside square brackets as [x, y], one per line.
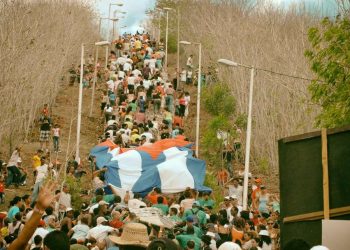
[189, 222]
[256, 191]
[199, 217]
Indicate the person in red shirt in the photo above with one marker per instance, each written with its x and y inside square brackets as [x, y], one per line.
[177, 120]
[153, 196]
[2, 190]
[116, 222]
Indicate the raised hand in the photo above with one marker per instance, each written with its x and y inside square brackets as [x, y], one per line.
[46, 195]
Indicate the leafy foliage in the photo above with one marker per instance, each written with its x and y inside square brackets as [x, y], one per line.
[218, 100]
[330, 59]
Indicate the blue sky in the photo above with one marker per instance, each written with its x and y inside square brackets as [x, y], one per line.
[135, 12]
[136, 9]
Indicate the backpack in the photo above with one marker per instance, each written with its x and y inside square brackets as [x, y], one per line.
[195, 217]
[11, 237]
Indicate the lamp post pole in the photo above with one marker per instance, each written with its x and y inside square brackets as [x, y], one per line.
[249, 126]
[199, 97]
[178, 50]
[77, 152]
[94, 82]
[166, 40]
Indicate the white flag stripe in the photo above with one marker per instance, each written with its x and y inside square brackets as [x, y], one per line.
[130, 167]
[174, 175]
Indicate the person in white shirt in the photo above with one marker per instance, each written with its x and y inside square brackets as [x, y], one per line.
[101, 231]
[65, 200]
[111, 84]
[121, 74]
[189, 62]
[121, 60]
[42, 173]
[81, 230]
[136, 72]
[236, 190]
[147, 134]
[127, 67]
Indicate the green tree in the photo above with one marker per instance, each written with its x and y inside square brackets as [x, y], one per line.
[329, 57]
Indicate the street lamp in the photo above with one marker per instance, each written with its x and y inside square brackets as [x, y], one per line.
[97, 44]
[198, 90]
[99, 31]
[114, 20]
[166, 37]
[80, 101]
[249, 126]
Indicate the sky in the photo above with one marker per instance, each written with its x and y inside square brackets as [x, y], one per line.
[136, 10]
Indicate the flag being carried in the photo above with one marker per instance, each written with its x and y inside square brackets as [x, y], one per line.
[167, 164]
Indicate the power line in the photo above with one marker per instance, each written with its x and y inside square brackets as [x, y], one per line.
[284, 74]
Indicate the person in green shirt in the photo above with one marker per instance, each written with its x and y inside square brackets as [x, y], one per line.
[164, 208]
[189, 222]
[205, 201]
[133, 105]
[199, 217]
[173, 215]
[189, 236]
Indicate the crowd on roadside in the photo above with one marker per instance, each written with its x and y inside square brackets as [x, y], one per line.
[139, 105]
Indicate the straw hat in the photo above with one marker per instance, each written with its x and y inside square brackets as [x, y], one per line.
[133, 234]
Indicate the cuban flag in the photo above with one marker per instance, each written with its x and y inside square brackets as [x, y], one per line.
[167, 164]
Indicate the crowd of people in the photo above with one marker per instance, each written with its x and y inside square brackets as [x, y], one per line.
[139, 105]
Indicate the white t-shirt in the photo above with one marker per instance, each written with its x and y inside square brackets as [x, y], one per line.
[131, 80]
[65, 200]
[187, 203]
[39, 231]
[237, 191]
[146, 84]
[148, 135]
[99, 232]
[136, 72]
[80, 231]
[121, 60]
[183, 76]
[42, 173]
[127, 66]
[121, 74]
[152, 63]
[110, 85]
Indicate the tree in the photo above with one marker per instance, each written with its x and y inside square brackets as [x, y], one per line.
[329, 57]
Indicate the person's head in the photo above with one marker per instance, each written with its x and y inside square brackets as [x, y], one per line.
[65, 188]
[173, 211]
[17, 201]
[56, 240]
[263, 189]
[38, 240]
[26, 198]
[190, 244]
[69, 212]
[43, 160]
[160, 200]
[235, 182]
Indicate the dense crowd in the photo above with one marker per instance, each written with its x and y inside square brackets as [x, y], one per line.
[139, 105]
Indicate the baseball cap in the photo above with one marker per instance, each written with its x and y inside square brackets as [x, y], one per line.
[85, 206]
[319, 248]
[100, 220]
[69, 209]
[189, 218]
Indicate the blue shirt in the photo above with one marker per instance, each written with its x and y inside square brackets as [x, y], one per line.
[12, 212]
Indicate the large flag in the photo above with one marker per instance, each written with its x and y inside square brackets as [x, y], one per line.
[167, 164]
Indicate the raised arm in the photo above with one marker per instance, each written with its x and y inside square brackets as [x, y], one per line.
[45, 197]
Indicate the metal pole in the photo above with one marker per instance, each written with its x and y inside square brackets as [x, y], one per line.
[247, 148]
[113, 30]
[166, 41]
[106, 64]
[198, 98]
[94, 82]
[99, 27]
[159, 27]
[178, 50]
[109, 20]
[77, 156]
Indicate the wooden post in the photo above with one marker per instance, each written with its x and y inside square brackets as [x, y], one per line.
[325, 174]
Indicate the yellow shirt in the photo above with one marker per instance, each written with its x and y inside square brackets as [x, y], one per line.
[36, 161]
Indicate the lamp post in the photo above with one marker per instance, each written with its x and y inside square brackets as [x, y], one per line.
[166, 37]
[178, 50]
[198, 90]
[97, 45]
[249, 126]
[80, 100]
[109, 17]
[114, 20]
